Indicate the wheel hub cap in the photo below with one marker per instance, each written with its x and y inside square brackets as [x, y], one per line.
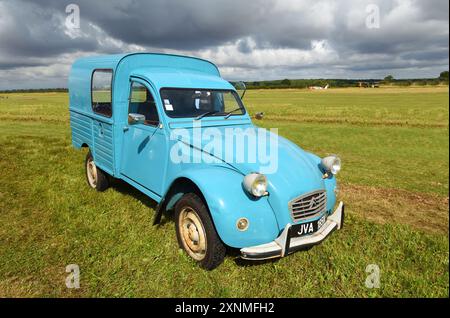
[92, 173]
[192, 233]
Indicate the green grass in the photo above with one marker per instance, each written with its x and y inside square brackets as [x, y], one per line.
[395, 138]
[407, 158]
[49, 218]
[423, 107]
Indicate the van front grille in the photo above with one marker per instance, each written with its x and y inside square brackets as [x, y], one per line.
[308, 205]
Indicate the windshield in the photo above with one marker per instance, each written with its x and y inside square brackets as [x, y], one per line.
[199, 103]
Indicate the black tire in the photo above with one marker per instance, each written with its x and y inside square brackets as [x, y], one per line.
[100, 181]
[214, 252]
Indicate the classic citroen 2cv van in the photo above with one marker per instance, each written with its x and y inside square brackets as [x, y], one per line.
[125, 109]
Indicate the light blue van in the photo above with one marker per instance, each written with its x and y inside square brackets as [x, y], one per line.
[129, 110]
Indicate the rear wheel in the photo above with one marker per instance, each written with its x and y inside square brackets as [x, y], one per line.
[96, 178]
[196, 233]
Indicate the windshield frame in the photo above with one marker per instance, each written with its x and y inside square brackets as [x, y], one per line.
[221, 114]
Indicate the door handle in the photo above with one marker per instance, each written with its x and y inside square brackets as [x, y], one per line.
[125, 128]
[100, 129]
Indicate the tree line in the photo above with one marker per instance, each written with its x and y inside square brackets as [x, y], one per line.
[388, 80]
[301, 83]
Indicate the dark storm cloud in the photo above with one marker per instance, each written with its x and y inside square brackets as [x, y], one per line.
[266, 37]
[195, 24]
[34, 31]
[427, 55]
[434, 9]
[12, 65]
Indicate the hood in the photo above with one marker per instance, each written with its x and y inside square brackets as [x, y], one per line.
[251, 149]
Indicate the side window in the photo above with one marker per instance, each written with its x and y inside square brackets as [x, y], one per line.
[142, 102]
[101, 92]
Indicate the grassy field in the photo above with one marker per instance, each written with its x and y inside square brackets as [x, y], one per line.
[395, 148]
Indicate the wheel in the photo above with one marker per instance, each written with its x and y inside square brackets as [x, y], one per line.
[196, 233]
[95, 177]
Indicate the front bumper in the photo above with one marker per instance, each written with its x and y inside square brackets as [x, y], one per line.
[284, 245]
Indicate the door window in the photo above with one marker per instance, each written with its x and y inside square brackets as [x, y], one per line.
[142, 102]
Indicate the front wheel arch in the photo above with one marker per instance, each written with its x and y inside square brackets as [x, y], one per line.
[180, 186]
[221, 191]
[177, 189]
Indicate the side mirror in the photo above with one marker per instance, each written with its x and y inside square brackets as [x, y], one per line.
[241, 88]
[134, 119]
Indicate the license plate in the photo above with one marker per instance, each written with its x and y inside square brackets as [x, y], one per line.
[308, 227]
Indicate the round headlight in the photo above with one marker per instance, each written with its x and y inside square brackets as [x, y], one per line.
[256, 184]
[332, 164]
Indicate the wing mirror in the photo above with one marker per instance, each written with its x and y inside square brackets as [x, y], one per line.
[240, 88]
[134, 119]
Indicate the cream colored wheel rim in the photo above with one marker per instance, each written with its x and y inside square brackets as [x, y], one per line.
[91, 169]
[192, 233]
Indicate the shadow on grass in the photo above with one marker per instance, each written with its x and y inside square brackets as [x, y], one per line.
[127, 189]
[234, 252]
[124, 188]
[246, 263]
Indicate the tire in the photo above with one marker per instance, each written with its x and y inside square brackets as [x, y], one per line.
[196, 233]
[95, 177]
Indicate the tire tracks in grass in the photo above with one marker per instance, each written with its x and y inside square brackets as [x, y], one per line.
[360, 122]
[426, 212]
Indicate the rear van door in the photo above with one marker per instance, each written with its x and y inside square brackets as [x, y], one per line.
[102, 124]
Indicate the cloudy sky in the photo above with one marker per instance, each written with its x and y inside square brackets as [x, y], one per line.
[248, 40]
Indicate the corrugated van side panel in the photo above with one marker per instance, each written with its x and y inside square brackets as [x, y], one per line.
[81, 126]
[103, 146]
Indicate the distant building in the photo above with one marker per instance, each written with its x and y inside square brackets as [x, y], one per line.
[368, 84]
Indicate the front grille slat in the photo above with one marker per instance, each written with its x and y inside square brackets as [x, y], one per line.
[308, 205]
[308, 199]
[304, 214]
[316, 208]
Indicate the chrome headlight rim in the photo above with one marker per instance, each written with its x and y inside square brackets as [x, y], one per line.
[255, 184]
[331, 164]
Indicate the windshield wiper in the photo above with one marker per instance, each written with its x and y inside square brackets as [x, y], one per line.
[229, 113]
[206, 114]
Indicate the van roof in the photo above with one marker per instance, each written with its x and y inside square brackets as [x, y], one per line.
[165, 77]
[155, 59]
[162, 70]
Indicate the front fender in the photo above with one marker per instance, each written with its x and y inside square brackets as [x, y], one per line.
[228, 201]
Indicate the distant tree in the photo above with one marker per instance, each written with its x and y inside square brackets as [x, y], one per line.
[433, 82]
[286, 82]
[421, 82]
[443, 76]
[404, 83]
[389, 78]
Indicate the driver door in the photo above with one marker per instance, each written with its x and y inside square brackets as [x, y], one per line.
[144, 143]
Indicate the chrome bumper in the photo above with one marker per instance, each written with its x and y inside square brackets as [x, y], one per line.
[284, 244]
